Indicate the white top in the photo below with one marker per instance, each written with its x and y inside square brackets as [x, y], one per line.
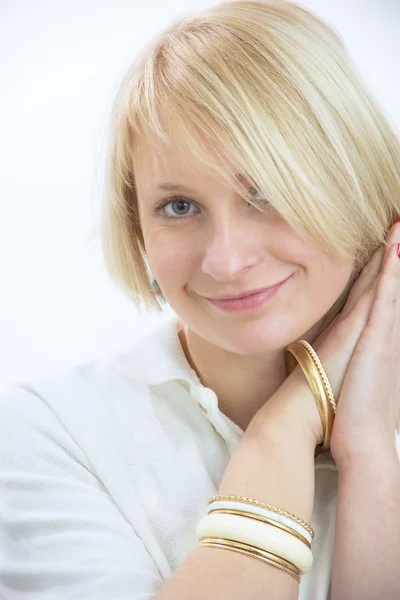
[106, 469]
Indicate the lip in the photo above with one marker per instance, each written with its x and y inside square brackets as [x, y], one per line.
[244, 295]
[250, 301]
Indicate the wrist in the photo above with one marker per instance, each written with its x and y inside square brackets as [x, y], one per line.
[290, 412]
[282, 429]
[369, 450]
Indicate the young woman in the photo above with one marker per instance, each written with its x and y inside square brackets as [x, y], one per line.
[247, 448]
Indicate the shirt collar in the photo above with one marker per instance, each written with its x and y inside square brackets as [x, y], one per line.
[158, 357]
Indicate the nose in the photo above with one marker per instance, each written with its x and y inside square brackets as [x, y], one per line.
[231, 248]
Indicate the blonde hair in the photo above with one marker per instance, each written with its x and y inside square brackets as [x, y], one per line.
[271, 87]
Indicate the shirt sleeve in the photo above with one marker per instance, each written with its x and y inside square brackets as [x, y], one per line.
[61, 534]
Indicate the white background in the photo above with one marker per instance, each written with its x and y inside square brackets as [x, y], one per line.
[61, 61]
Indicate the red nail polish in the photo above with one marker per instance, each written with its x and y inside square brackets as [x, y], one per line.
[398, 250]
[397, 221]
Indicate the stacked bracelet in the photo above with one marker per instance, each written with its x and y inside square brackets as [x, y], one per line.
[269, 558]
[280, 521]
[260, 530]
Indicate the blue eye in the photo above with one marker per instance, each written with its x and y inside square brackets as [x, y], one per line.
[180, 205]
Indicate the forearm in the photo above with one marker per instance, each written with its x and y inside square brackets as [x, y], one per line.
[367, 538]
[277, 469]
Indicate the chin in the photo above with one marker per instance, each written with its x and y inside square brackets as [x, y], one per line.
[257, 337]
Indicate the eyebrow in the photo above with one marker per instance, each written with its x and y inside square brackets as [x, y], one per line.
[178, 187]
[174, 187]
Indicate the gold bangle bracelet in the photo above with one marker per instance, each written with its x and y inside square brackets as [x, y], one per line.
[322, 373]
[267, 557]
[310, 370]
[276, 524]
[275, 509]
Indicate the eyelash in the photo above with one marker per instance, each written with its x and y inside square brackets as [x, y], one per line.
[160, 207]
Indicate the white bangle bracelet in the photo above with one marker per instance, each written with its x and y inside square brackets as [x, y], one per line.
[258, 534]
[262, 512]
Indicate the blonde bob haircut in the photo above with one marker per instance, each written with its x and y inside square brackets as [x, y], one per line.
[272, 89]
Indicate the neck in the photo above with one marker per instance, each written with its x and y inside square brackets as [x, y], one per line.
[243, 384]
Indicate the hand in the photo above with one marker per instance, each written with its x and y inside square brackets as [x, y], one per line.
[369, 400]
[335, 347]
[360, 352]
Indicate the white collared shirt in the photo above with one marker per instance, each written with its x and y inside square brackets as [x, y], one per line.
[106, 469]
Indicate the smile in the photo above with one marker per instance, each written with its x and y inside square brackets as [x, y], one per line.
[248, 302]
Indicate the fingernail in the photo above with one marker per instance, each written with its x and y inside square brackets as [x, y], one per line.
[397, 221]
[398, 250]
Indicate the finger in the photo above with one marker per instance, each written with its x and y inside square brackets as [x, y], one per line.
[364, 281]
[374, 266]
[393, 236]
[384, 311]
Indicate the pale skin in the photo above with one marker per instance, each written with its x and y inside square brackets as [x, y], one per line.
[232, 247]
[226, 245]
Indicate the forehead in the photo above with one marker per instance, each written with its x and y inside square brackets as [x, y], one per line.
[160, 155]
[162, 161]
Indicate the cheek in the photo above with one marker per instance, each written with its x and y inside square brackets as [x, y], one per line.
[327, 282]
[171, 258]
